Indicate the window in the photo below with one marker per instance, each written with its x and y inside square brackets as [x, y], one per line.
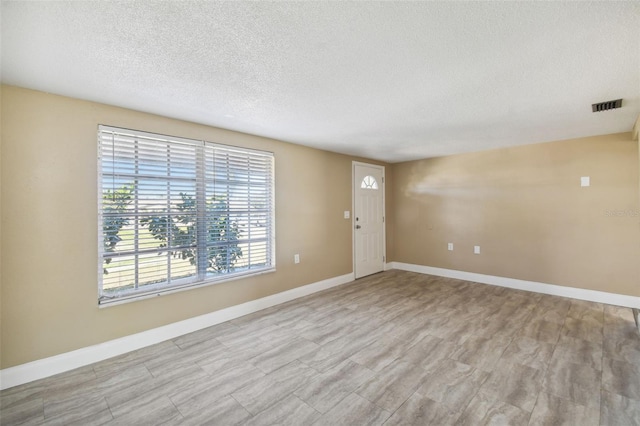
[177, 213]
[369, 182]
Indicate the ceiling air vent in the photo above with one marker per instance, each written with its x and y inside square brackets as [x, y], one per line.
[604, 106]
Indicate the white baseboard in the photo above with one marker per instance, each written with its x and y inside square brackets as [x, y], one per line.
[555, 290]
[24, 373]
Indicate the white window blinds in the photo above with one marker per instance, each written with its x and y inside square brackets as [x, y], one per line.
[177, 212]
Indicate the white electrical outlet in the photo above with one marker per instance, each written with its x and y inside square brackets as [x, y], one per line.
[450, 246]
[476, 249]
[296, 258]
[347, 214]
[585, 181]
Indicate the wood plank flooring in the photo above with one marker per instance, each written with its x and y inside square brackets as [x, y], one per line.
[393, 348]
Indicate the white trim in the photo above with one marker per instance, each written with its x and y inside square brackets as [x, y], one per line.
[537, 287]
[135, 297]
[199, 149]
[353, 210]
[39, 369]
[388, 266]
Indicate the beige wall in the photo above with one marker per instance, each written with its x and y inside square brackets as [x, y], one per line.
[49, 224]
[524, 206]
[0, 227]
[635, 134]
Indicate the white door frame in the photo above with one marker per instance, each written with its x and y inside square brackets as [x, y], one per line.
[353, 214]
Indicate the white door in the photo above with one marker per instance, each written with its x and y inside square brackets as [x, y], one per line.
[368, 219]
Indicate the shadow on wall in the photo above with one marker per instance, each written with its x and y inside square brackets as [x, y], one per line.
[461, 200]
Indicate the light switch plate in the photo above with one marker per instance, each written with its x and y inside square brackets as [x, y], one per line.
[450, 246]
[476, 249]
[347, 214]
[585, 181]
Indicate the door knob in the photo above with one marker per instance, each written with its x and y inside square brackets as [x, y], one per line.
[358, 226]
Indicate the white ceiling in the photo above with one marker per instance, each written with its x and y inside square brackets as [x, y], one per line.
[391, 81]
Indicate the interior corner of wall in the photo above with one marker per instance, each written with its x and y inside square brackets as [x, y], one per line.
[636, 130]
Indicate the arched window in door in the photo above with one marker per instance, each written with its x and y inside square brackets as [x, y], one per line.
[369, 182]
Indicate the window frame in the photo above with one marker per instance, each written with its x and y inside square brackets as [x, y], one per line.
[202, 276]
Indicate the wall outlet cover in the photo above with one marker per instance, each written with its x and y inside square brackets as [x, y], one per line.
[476, 249]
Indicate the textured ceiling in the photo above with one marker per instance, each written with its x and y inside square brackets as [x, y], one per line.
[391, 81]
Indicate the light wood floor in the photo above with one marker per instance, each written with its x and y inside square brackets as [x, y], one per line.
[393, 348]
